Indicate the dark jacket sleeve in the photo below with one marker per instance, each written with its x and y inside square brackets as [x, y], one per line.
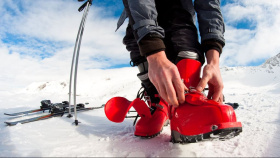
[211, 24]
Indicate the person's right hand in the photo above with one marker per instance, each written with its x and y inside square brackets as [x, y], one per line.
[166, 78]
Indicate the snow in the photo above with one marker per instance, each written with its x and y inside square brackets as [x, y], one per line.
[256, 89]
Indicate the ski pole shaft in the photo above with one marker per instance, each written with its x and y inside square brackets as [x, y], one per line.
[73, 59]
[88, 3]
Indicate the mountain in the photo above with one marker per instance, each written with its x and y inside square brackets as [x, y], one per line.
[272, 62]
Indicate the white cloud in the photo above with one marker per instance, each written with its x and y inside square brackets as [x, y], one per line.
[256, 43]
[49, 29]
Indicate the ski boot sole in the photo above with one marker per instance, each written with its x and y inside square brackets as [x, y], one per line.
[221, 134]
[150, 136]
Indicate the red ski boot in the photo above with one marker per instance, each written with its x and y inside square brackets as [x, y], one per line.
[149, 127]
[199, 118]
[152, 110]
[152, 119]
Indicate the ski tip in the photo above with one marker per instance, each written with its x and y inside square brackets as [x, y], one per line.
[9, 114]
[10, 123]
[15, 115]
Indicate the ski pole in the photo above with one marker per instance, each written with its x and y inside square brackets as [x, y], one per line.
[72, 65]
[75, 57]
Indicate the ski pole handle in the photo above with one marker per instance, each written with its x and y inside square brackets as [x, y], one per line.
[84, 5]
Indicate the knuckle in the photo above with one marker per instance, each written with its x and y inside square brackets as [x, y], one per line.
[174, 69]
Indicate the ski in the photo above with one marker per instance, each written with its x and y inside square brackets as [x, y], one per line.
[54, 113]
[12, 123]
[45, 105]
[25, 112]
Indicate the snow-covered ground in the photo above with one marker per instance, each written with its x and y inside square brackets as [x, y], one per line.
[256, 89]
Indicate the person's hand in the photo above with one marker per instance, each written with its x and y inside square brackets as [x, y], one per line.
[166, 78]
[212, 77]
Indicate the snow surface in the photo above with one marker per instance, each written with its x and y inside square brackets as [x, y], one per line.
[256, 89]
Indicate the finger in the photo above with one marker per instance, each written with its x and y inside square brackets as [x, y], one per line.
[221, 100]
[210, 94]
[180, 90]
[163, 93]
[161, 88]
[171, 93]
[217, 95]
[185, 88]
[210, 91]
[202, 84]
[160, 92]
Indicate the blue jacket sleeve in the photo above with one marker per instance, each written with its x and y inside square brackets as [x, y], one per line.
[143, 18]
[143, 21]
[210, 19]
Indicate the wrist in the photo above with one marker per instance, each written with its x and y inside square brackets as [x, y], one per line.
[212, 44]
[213, 57]
[156, 57]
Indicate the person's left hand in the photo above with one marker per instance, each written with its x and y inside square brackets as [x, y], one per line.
[212, 77]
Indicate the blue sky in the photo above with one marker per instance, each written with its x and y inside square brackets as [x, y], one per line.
[39, 36]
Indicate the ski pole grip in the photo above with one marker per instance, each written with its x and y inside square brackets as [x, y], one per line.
[84, 5]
